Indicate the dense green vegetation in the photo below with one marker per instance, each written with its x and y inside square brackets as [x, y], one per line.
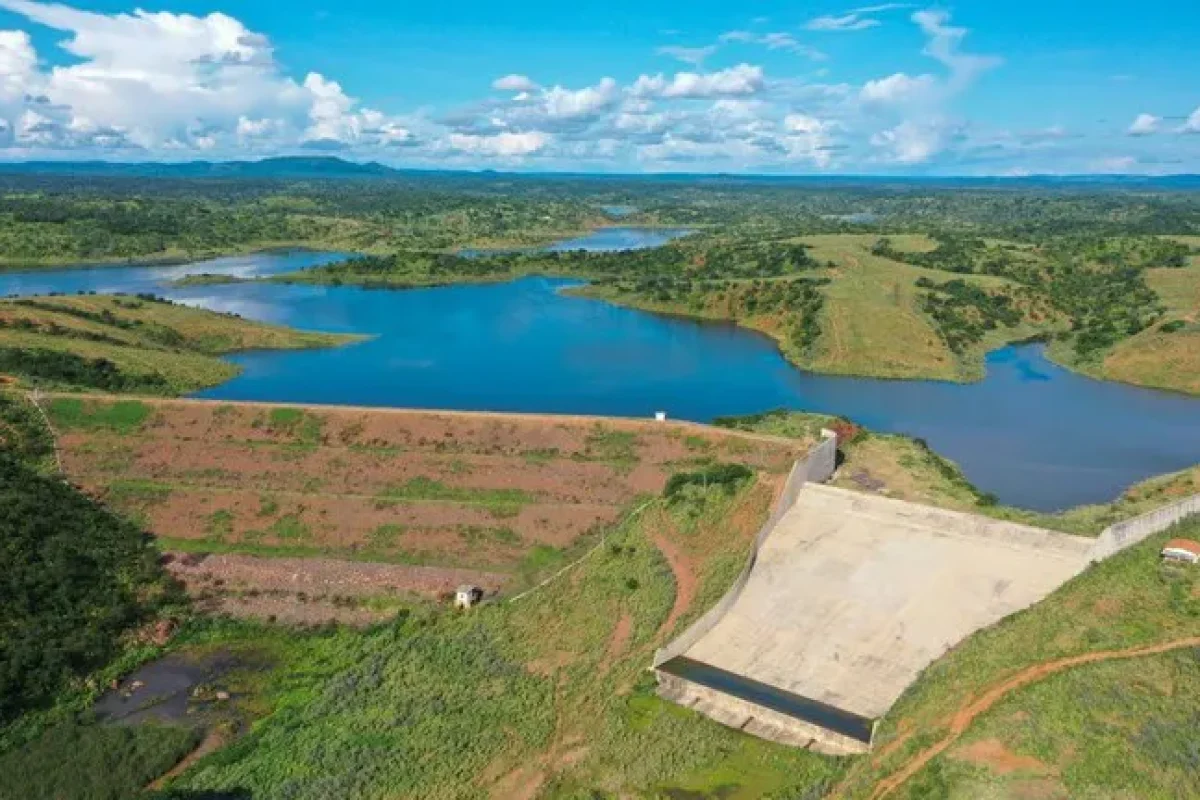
[56, 368]
[726, 476]
[964, 312]
[23, 432]
[97, 762]
[75, 578]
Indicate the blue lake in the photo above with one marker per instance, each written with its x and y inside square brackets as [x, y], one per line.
[1033, 433]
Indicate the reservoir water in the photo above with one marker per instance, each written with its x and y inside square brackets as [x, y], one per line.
[1032, 432]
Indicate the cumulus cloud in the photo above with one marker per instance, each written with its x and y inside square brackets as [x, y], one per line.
[1144, 125]
[1192, 124]
[899, 88]
[855, 20]
[910, 142]
[179, 84]
[168, 81]
[560, 103]
[739, 80]
[921, 101]
[808, 138]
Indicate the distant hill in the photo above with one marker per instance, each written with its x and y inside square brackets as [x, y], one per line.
[332, 167]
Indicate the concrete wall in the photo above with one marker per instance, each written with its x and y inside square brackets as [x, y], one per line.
[1116, 538]
[755, 719]
[822, 459]
[818, 465]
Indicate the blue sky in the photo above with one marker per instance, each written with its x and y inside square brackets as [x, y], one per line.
[617, 86]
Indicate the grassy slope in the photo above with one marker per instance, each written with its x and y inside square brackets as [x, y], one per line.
[871, 322]
[547, 692]
[181, 344]
[1158, 359]
[1119, 729]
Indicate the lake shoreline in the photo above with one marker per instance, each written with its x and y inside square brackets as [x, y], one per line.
[1027, 432]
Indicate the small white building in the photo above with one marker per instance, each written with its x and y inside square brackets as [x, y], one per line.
[1184, 550]
[467, 596]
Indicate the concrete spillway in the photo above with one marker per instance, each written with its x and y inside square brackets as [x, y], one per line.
[849, 598]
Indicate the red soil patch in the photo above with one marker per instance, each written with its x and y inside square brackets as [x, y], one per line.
[682, 567]
[214, 740]
[992, 753]
[619, 640]
[311, 591]
[326, 576]
[966, 715]
[461, 489]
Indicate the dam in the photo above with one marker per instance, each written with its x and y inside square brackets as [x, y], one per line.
[849, 596]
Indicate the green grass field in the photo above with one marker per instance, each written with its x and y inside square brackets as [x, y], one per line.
[1166, 355]
[1108, 729]
[871, 322]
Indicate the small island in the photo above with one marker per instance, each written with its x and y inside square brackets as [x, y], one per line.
[209, 279]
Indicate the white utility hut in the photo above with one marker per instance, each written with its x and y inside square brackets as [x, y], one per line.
[467, 596]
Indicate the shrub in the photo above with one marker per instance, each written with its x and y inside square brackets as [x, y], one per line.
[75, 577]
[727, 476]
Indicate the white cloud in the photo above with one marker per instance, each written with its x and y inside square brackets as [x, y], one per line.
[1144, 125]
[742, 79]
[167, 81]
[514, 83]
[507, 145]
[1192, 124]
[899, 89]
[855, 20]
[910, 142]
[808, 138]
[944, 44]
[688, 55]
[560, 103]
[18, 66]
[779, 40]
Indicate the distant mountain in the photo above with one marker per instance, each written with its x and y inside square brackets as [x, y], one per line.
[332, 167]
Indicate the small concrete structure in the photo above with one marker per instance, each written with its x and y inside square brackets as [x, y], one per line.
[660, 416]
[1184, 550]
[467, 596]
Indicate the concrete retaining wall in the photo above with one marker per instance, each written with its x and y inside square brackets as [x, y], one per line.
[818, 465]
[755, 719]
[1116, 538]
